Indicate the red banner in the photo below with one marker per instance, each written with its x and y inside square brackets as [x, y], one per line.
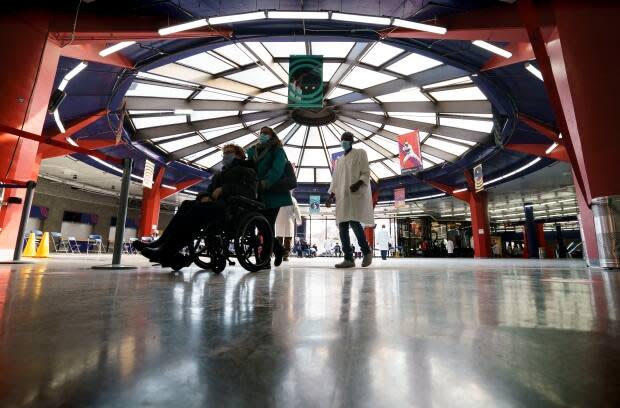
[409, 152]
[399, 197]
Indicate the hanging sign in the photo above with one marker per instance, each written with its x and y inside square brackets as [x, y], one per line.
[478, 180]
[149, 170]
[399, 197]
[305, 81]
[409, 152]
[315, 204]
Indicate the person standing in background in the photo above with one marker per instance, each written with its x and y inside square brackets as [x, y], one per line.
[286, 222]
[350, 189]
[383, 241]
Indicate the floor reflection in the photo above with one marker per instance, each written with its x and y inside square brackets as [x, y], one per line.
[425, 333]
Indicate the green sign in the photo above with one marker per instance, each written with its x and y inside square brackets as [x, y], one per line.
[305, 81]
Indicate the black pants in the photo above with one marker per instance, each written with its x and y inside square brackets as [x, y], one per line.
[190, 218]
[343, 228]
[271, 214]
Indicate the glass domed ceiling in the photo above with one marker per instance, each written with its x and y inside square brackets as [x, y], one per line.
[191, 108]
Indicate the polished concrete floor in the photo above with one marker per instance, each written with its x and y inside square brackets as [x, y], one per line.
[403, 333]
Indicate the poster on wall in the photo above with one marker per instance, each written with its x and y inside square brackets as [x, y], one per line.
[335, 157]
[315, 204]
[478, 180]
[409, 152]
[399, 197]
[149, 170]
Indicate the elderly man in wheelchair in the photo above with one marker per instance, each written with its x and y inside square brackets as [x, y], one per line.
[222, 222]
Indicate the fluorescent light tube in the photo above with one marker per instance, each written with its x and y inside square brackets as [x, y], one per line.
[490, 47]
[419, 26]
[183, 111]
[58, 122]
[358, 18]
[116, 47]
[460, 190]
[235, 18]
[294, 15]
[71, 141]
[535, 71]
[551, 148]
[183, 27]
[78, 68]
[63, 84]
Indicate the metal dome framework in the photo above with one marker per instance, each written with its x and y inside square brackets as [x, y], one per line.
[190, 108]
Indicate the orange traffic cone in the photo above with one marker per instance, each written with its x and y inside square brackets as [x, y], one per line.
[31, 246]
[44, 247]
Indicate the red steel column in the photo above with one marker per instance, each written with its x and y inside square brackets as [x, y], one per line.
[478, 205]
[151, 200]
[26, 82]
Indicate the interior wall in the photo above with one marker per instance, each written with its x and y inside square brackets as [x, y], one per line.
[59, 198]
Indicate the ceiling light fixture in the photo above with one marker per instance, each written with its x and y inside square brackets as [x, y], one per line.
[58, 122]
[78, 68]
[303, 15]
[183, 27]
[358, 18]
[116, 47]
[236, 18]
[534, 71]
[419, 26]
[494, 49]
[551, 148]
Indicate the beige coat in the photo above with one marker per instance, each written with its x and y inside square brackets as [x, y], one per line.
[287, 218]
[352, 206]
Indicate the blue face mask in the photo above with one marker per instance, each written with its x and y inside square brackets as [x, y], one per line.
[263, 138]
[346, 145]
[228, 158]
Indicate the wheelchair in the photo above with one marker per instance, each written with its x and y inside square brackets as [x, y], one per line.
[243, 233]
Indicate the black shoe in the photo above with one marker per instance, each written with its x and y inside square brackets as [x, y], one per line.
[153, 254]
[277, 258]
[140, 245]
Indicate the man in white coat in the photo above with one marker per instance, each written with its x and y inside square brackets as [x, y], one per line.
[350, 188]
[288, 217]
[383, 241]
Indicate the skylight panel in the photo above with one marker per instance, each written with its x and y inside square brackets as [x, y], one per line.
[314, 158]
[386, 143]
[330, 138]
[210, 161]
[242, 141]
[161, 78]
[362, 78]
[380, 170]
[142, 123]
[212, 133]
[477, 125]
[460, 94]
[298, 137]
[426, 117]
[370, 122]
[446, 146]
[273, 97]
[206, 62]
[393, 164]
[336, 92]
[431, 158]
[292, 153]
[236, 53]
[219, 95]
[467, 142]
[202, 115]
[201, 153]
[455, 81]
[323, 176]
[363, 132]
[306, 175]
[159, 139]
[413, 63]
[258, 77]
[396, 129]
[285, 49]
[180, 144]
[329, 69]
[426, 164]
[380, 53]
[332, 49]
[404, 95]
[372, 153]
[314, 139]
[139, 89]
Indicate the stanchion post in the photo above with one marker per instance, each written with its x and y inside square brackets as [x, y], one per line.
[19, 242]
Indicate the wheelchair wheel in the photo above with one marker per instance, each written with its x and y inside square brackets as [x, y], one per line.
[204, 257]
[254, 242]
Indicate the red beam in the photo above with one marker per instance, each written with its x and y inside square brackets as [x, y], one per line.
[463, 195]
[469, 179]
[76, 126]
[90, 52]
[47, 151]
[56, 143]
[167, 192]
[559, 153]
[544, 129]
[521, 52]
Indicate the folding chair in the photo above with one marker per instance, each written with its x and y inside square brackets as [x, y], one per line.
[94, 242]
[60, 245]
[73, 245]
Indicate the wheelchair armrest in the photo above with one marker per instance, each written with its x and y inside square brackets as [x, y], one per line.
[245, 202]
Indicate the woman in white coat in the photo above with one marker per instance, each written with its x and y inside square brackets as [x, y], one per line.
[350, 188]
[383, 241]
[288, 217]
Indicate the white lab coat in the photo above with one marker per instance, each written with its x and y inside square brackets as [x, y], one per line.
[383, 239]
[450, 246]
[287, 218]
[352, 206]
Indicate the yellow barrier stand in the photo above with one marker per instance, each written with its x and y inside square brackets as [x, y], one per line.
[44, 247]
[31, 247]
